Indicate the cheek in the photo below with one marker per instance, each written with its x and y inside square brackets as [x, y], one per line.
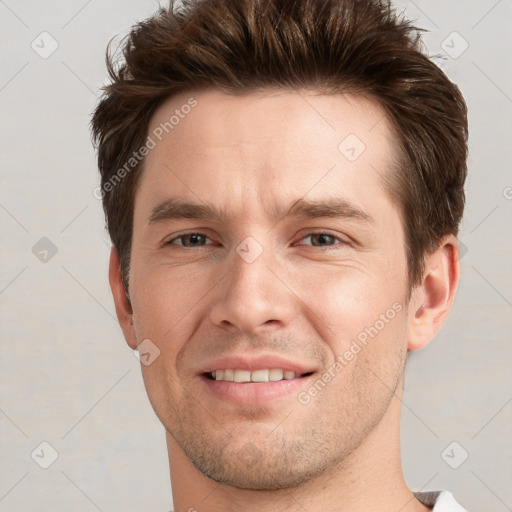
[163, 305]
[166, 303]
[353, 303]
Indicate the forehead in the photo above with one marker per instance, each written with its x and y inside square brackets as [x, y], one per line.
[260, 117]
[258, 148]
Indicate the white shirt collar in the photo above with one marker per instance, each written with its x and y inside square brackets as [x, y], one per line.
[442, 501]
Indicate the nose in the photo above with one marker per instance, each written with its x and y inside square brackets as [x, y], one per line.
[254, 297]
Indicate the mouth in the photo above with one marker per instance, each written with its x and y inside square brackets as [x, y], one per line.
[251, 379]
[256, 387]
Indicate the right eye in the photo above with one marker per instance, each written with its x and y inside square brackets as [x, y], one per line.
[189, 240]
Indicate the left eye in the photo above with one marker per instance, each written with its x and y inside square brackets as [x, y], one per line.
[190, 240]
[321, 239]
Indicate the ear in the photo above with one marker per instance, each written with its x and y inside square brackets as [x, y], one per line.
[123, 306]
[432, 300]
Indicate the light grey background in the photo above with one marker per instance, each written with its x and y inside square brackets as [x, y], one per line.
[67, 376]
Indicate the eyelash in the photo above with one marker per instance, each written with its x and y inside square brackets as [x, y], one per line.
[313, 233]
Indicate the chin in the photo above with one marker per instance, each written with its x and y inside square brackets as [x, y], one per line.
[248, 467]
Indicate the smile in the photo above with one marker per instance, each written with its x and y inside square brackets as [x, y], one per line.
[263, 375]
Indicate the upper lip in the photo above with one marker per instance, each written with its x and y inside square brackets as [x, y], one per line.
[251, 363]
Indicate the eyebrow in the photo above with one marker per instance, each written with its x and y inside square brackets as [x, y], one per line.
[177, 209]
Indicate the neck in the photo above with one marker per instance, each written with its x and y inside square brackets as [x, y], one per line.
[371, 478]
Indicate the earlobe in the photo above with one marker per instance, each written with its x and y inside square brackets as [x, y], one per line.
[432, 300]
[122, 302]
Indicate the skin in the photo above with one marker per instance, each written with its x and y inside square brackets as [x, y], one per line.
[306, 298]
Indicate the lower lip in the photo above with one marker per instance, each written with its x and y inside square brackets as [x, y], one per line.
[244, 393]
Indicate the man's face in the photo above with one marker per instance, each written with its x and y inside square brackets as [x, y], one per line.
[256, 288]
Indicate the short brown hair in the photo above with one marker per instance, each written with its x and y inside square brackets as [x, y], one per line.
[330, 46]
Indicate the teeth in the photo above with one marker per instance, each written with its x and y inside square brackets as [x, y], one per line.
[276, 374]
[229, 375]
[260, 376]
[242, 376]
[263, 375]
